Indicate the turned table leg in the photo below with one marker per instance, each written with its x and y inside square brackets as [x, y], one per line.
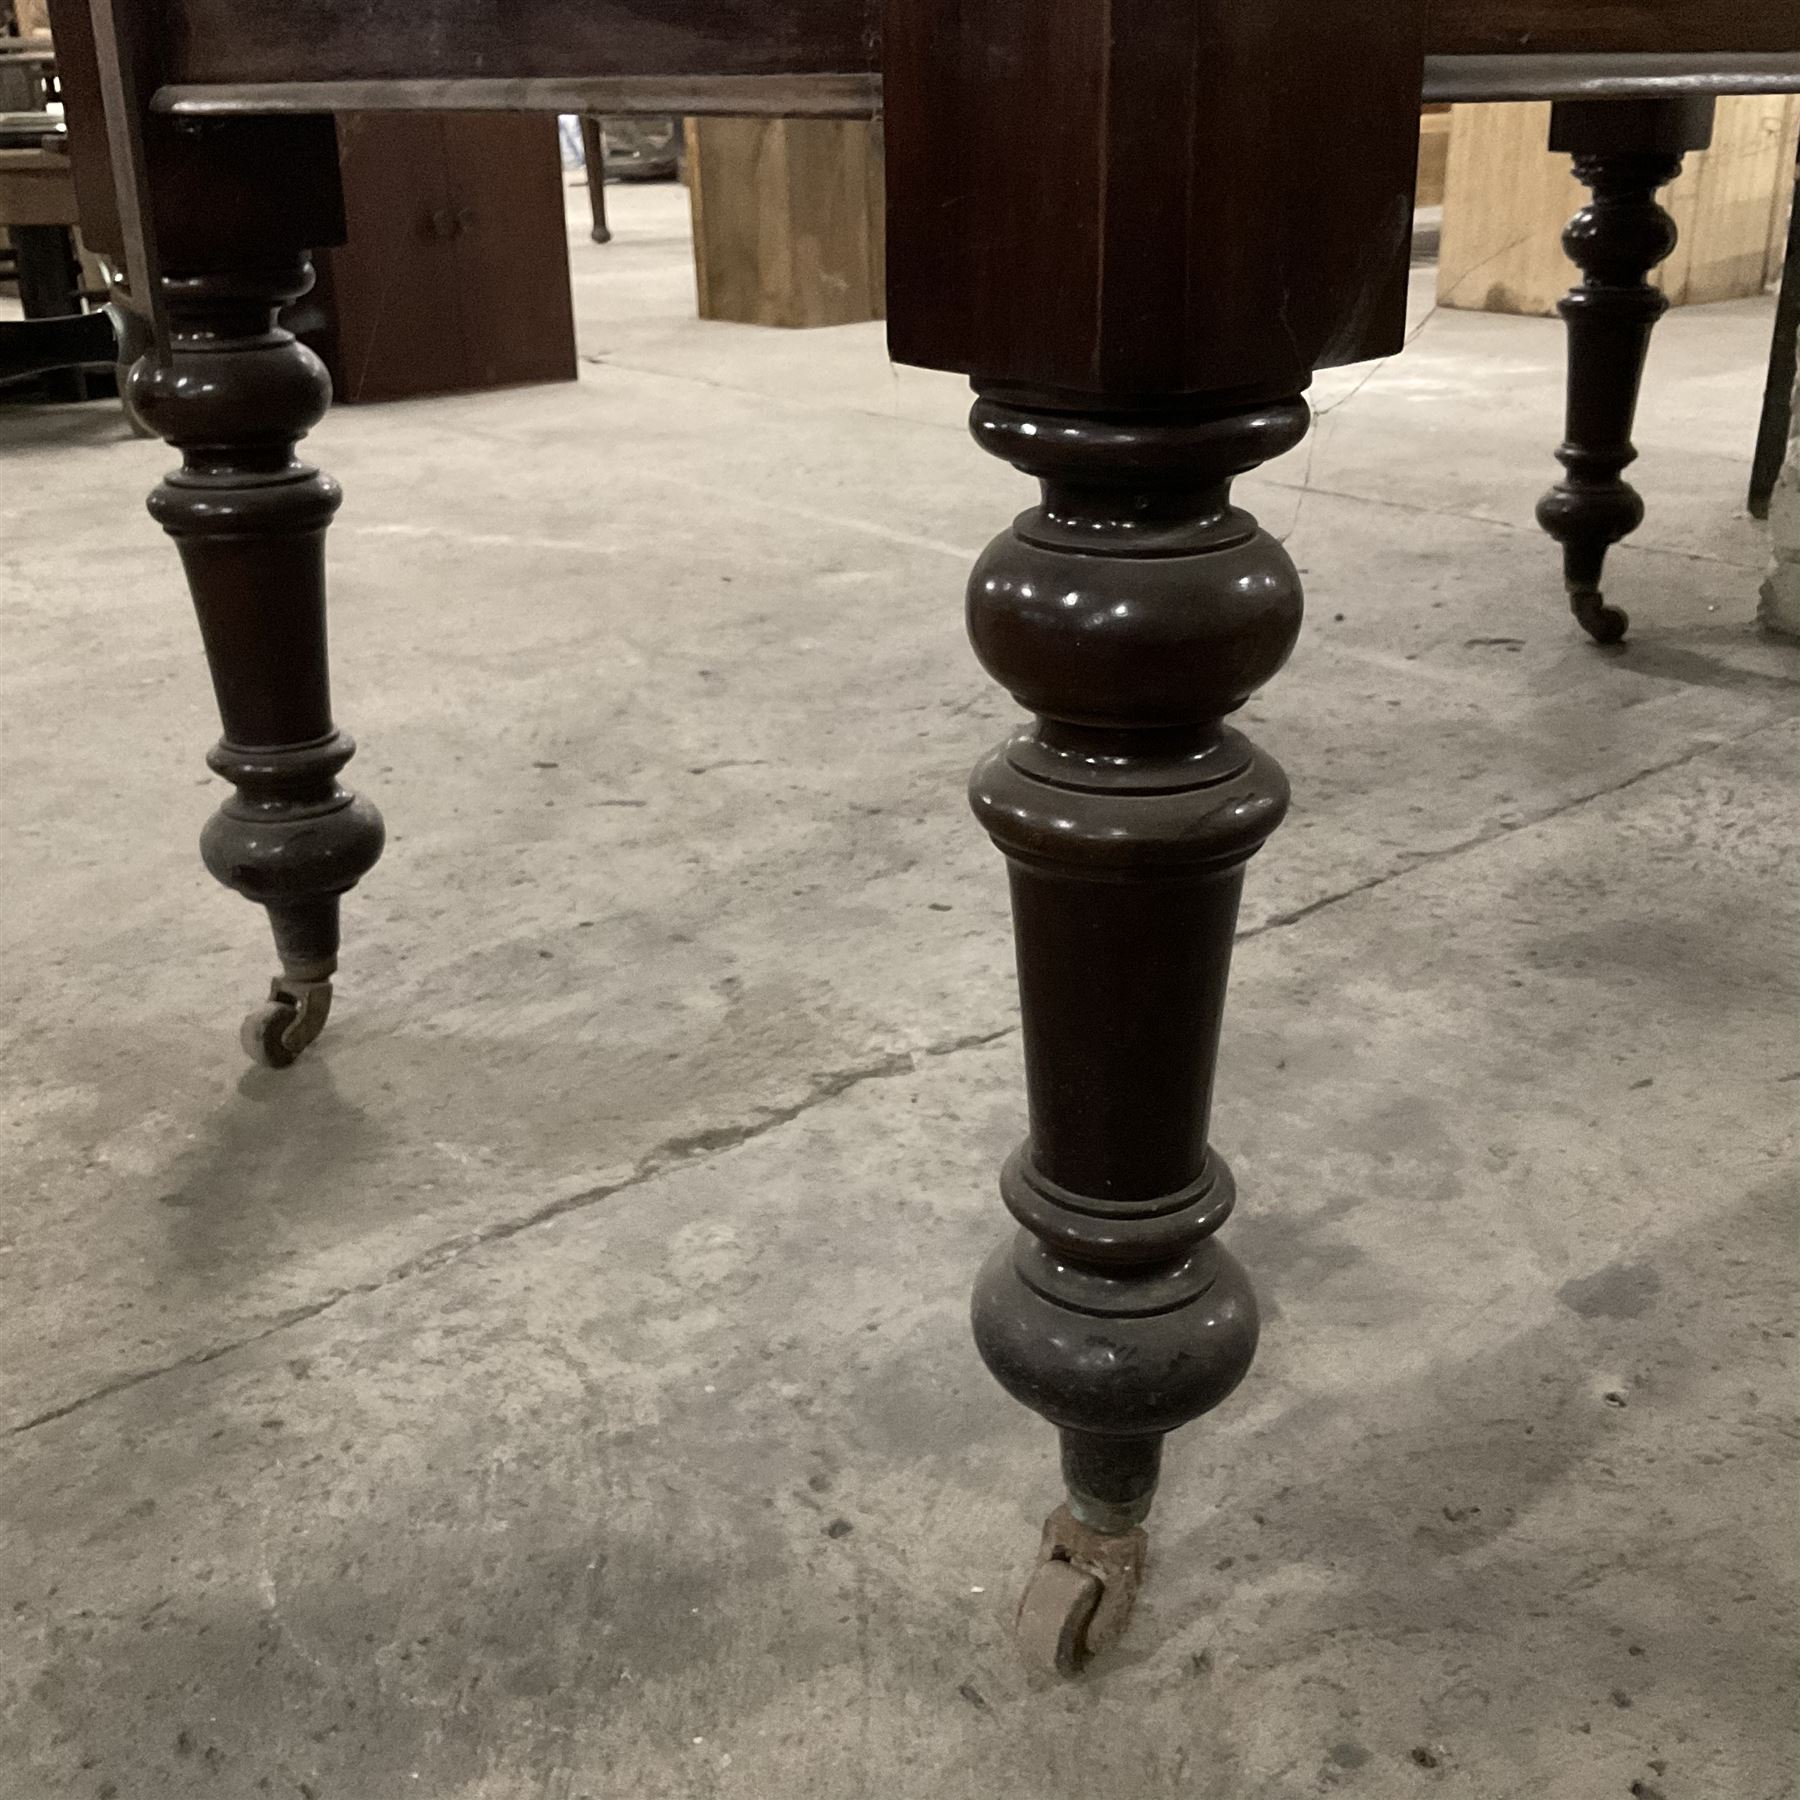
[249, 521]
[1624, 151]
[1130, 611]
[1138, 235]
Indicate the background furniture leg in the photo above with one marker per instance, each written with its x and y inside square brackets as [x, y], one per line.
[593, 148]
[50, 288]
[1778, 391]
[1624, 150]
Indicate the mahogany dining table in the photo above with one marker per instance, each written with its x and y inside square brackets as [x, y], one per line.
[1137, 227]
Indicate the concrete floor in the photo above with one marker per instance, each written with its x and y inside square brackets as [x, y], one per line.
[559, 1384]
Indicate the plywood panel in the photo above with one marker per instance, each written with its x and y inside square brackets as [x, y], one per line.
[1730, 203]
[788, 226]
[1434, 156]
[1507, 198]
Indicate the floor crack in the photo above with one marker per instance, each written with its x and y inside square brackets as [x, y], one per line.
[665, 1158]
[692, 1147]
[1493, 833]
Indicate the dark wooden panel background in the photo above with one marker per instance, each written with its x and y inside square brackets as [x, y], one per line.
[346, 40]
[1475, 27]
[225, 41]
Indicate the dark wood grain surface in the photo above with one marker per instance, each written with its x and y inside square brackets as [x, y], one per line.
[1546, 27]
[211, 42]
[340, 40]
[1130, 199]
[259, 186]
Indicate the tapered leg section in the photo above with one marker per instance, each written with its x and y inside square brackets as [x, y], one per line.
[1131, 611]
[1624, 152]
[249, 520]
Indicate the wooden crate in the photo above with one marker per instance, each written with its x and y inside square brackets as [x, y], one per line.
[1507, 199]
[788, 220]
[1434, 156]
[456, 274]
[36, 188]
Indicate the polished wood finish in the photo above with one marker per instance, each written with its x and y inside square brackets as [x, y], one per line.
[858, 95]
[1624, 151]
[249, 520]
[267, 42]
[1563, 27]
[799, 96]
[1104, 199]
[1612, 75]
[1099, 214]
[442, 40]
[235, 206]
[1132, 610]
[240, 187]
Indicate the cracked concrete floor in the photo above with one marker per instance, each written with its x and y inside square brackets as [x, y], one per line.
[559, 1384]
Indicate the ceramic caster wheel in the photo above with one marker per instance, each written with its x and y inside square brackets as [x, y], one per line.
[292, 1016]
[1059, 1605]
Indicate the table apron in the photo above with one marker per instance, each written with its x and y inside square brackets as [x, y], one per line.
[857, 94]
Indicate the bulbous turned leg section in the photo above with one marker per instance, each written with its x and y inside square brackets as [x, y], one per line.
[1131, 612]
[292, 840]
[1624, 151]
[249, 520]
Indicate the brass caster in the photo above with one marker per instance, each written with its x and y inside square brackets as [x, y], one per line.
[1604, 624]
[1079, 1595]
[294, 1014]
